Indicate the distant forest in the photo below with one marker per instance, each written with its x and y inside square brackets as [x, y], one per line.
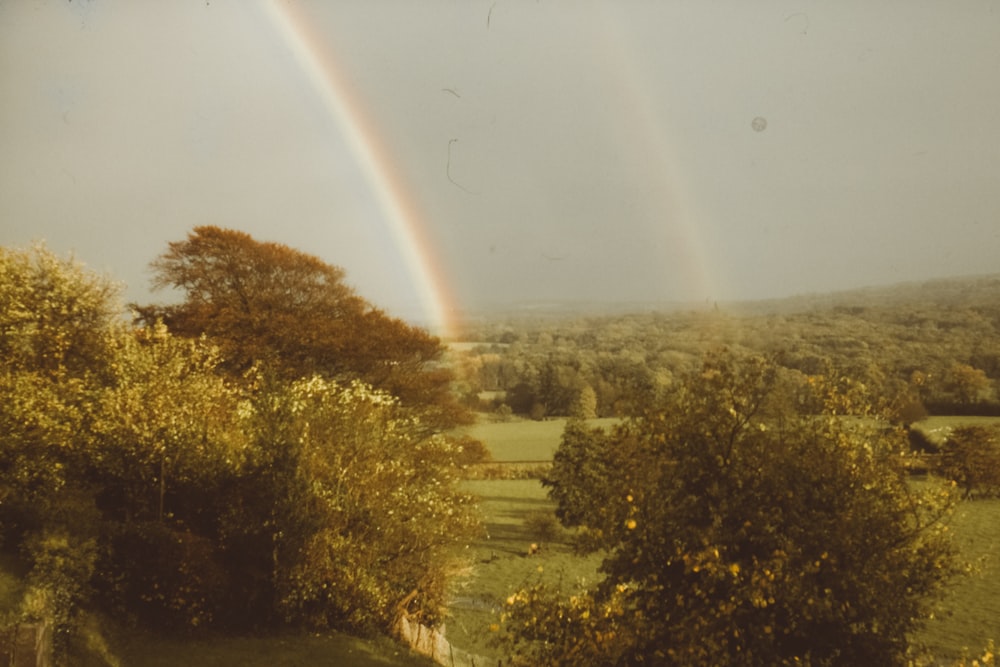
[931, 348]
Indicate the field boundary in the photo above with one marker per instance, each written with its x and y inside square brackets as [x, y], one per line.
[433, 644]
[536, 469]
[26, 644]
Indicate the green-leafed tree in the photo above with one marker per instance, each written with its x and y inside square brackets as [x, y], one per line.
[971, 458]
[267, 303]
[138, 476]
[740, 531]
[585, 404]
[57, 324]
[367, 516]
[169, 442]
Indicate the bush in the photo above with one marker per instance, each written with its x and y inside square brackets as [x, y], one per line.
[741, 532]
[543, 526]
[971, 458]
[163, 576]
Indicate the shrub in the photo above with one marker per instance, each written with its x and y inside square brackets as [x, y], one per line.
[741, 532]
[971, 457]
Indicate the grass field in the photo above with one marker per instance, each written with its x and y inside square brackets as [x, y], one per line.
[965, 618]
[517, 514]
[937, 428]
[525, 440]
[969, 614]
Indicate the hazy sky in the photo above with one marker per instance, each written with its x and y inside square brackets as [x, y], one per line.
[513, 150]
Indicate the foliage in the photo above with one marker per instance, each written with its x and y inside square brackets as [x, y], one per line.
[267, 303]
[988, 658]
[743, 532]
[141, 477]
[971, 457]
[367, 506]
[585, 404]
[56, 324]
[966, 383]
[542, 525]
[934, 346]
[55, 314]
[167, 421]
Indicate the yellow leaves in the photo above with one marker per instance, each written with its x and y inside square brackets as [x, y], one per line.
[630, 524]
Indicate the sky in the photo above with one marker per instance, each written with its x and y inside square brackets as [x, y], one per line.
[454, 154]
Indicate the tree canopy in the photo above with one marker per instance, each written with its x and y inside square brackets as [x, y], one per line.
[263, 302]
[139, 478]
[741, 529]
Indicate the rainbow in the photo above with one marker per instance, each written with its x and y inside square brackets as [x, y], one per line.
[400, 211]
[680, 234]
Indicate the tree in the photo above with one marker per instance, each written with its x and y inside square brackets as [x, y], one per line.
[971, 457]
[740, 531]
[57, 324]
[585, 404]
[267, 303]
[167, 418]
[967, 384]
[137, 476]
[366, 516]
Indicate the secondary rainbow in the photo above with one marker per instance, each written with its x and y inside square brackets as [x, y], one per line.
[400, 212]
[680, 230]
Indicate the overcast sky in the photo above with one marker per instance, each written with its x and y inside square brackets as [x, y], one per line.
[627, 151]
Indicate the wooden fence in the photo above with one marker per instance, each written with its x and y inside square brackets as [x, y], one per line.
[26, 645]
[433, 644]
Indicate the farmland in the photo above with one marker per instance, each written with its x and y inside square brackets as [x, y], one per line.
[525, 440]
[965, 618]
[517, 513]
[969, 614]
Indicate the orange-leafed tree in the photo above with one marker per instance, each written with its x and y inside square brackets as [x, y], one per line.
[266, 303]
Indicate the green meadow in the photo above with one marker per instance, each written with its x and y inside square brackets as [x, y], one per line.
[969, 613]
[525, 440]
[515, 513]
[937, 428]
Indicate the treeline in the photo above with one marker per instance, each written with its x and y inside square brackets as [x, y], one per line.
[267, 452]
[934, 356]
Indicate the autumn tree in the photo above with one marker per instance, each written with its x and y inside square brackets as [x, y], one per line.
[966, 384]
[264, 302]
[138, 477]
[741, 531]
[971, 458]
